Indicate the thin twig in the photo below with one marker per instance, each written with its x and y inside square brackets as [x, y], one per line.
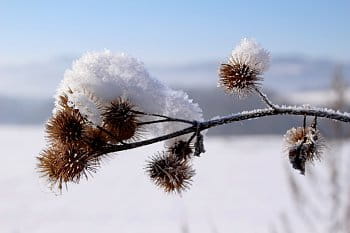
[265, 98]
[159, 121]
[165, 117]
[106, 131]
[259, 113]
[191, 138]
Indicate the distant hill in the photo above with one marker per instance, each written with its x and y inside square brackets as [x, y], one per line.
[24, 110]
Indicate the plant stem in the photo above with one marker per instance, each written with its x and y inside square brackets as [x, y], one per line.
[265, 98]
[165, 117]
[254, 114]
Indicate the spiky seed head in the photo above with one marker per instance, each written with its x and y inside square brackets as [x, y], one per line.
[120, 120]
[66, 164]
[95, 139]
[244, 69]
[170, 173]
[181, 149]
[66, 126]
[303, 145]
[48, 164]
[238, 79]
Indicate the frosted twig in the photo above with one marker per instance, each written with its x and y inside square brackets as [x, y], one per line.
[254, 114]
[265, 98]
[158, 121]
[162, 116]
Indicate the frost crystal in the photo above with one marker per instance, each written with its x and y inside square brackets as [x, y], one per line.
[98, 78]
[250, 53]
[87, 107]
[179, 105]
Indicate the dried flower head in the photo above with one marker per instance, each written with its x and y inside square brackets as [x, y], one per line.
[170, 173]
[48, 164]
[120, 120]
[66, 126]
[66, 164]
[181, 149]
[303, 145]
[243, 71]
[95, 139]
[238, 78]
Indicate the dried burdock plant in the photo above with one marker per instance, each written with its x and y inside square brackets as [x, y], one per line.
[303, 144]
[95, 139]
[238, 78]
[63, 164]
[120, 120]
[66, 126]
[95, 114]
[181, 149]
[169, 172]
[48, 164]
[243, 72]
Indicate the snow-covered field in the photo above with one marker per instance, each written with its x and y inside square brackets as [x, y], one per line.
[240, 186]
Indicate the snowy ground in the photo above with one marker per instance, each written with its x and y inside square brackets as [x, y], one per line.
[240, 186]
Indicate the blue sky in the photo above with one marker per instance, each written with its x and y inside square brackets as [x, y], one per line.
[171, 31]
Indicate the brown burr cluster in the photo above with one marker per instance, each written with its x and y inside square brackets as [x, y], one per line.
[76, 146]
[171, 170]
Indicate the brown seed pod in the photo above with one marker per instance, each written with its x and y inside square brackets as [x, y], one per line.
[95, 139]
[66, 164]
[170, 173]
[66, 126]
[48, 164]
[120, 120]
[238, 79]
[181, 149]
[303, 145]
